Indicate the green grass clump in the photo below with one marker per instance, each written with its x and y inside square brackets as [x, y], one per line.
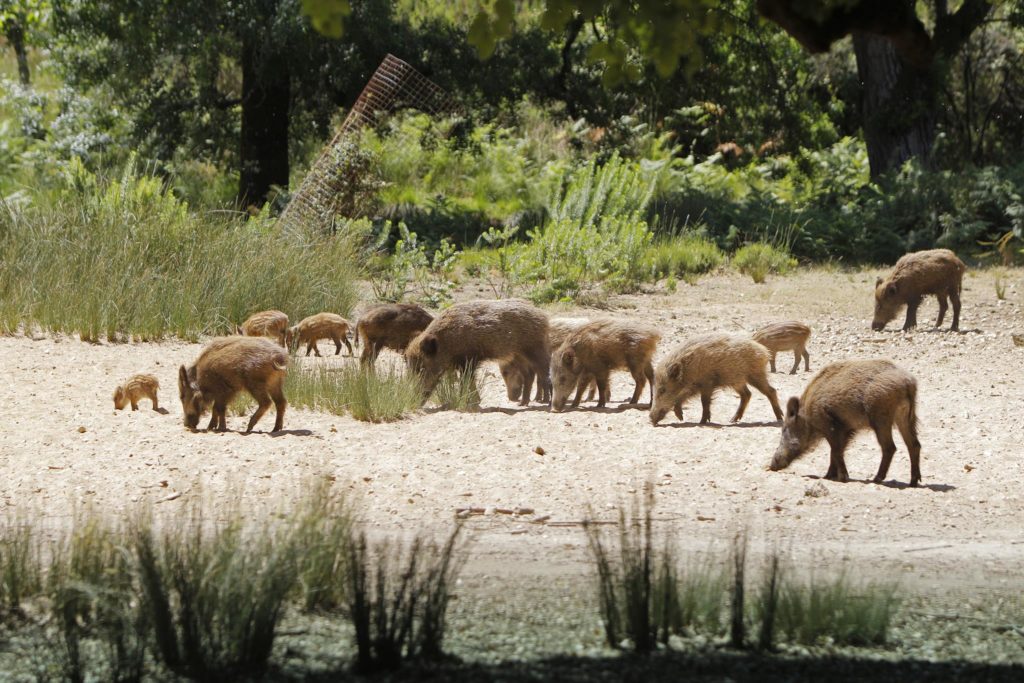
[20, 567]
[398, 598]
[458, 390]
[367, 394]
[684, 257]
[323, 527]
[836, 610]
[125, 258]
[760, 259]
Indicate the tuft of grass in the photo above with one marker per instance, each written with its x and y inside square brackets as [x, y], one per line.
[458, 390]
[21, 573]
[761, 259]
[702, 588]
[684, 257]
[366, 393]
[398, 598]
[767, 605]
[737, 622]
[123, 257]
[214, 593]
[1000, 284]
[836, 610]
[323, 527]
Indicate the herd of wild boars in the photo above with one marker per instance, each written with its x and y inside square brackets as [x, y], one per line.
[567, 356]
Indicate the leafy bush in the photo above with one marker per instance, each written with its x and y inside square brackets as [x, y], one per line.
[685, 256]
[410, 266]
[119, 258]
[367, 394]
[758, 260]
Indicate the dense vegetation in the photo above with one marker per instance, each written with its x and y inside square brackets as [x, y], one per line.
[558, 179]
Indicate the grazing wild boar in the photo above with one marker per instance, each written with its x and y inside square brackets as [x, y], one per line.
[390, 326]
[320, 326]
[702, 365]
[272, 324]
[515, 372]
[468, 333]
[135, 388]
[936, 271]
[226, 366]
[593, 350]
[846, 397]
[786, 336]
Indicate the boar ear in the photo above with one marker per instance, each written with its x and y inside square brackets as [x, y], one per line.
[182, 377]
[675, 371]
[569, 358]
[793, 407]
[878, 281]
[429, 345]
[891, 289]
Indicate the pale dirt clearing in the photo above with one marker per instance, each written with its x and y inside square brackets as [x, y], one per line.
[963, 530]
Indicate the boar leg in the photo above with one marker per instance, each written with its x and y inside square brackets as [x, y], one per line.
[649, 374]
[705, 405]
[153, 399]
[762, 385]
[581, 385]
[883, 432]
[603, 391]
[796, 359]
[592, 390]
[678, 410]
[135, 404]
[218, 416]
[641, 382]
[908, 430]
[955, 298]
[263, 399]
[911, 321]
[744, 393]
[347, 344]
[807, 359]
[837, 440]
[772, 361]
[539, 361]
[943, 306]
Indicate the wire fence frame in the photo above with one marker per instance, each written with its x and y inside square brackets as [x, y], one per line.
[394, 85]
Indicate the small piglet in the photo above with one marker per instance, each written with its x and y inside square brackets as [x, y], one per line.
[935, 271]
[390, 326]
[702, 365]
[134, 388]
[593, 350]
[515, 372]
[786, 336]
[846, 397]
[320, 326]
[226, 366]
[272, 324]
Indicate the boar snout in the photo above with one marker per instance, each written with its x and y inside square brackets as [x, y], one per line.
[657, 415]
[877, 326]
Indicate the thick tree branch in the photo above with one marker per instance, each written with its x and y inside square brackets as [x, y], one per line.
[953, 30]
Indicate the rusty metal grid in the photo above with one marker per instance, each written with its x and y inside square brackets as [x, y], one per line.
[394, 85]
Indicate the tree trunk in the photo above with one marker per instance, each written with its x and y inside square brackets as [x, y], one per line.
[898, 105]
[266, 99]
[15, 32]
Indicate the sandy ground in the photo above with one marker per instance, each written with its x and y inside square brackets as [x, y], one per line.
[63, 445]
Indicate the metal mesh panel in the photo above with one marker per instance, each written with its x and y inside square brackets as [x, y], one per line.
[394, 85]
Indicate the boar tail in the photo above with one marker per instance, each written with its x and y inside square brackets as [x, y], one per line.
[912, 406]
[358, 325]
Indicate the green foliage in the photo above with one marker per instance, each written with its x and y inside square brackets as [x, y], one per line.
[759, 260]
[836, 610]
[322, 527]
[685, 256]
[458, 390]
[367, 394]
[125, 258]
[410, 266]
[20, 567]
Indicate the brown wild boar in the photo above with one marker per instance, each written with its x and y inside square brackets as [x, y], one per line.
[320, 326]
[135, 388]
[844, 398]
[390, 326]
[702, 365]
[272, 324]
[936, 271]
[593, 350]
[468, 333]
[224, 367]
[515, 372]
[786, 336]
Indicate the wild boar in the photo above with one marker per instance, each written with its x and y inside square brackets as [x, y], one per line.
[596, 348]
[844, 398]
[272, 324]
[702, 365]
[134, 388]
[786, 336]
[468, 333]
[936, 271]
[320, 326]
[515, 372]
[390, 326]
[226, 366]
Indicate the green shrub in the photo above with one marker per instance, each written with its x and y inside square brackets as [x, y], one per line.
[125, 258]
[837, 611]
[684, 257]
[758, 260]
[367, 394]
